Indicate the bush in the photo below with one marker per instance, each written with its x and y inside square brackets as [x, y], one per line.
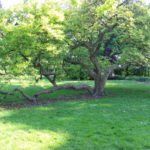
[117, 78]
[138, 78]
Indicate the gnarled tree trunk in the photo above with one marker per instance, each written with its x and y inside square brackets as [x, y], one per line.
[99, 87]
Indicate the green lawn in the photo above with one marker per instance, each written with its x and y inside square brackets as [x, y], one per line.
[121, 122]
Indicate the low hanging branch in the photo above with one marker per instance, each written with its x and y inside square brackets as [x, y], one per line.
[27, 97]
[34, 98]
[66, 86]
[50, 75]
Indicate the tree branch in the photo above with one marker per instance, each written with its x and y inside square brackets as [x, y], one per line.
[66, 86]
[27, 97]
[94, 60]
[78, 44]
[114, 67]
[48, 74]
[75, 62]
[101, 37]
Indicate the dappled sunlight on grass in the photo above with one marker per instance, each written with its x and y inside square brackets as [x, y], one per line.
[41, 108]
[77, 82]
[16, 135]
[122, 83]
[31, 140]
[105, 105]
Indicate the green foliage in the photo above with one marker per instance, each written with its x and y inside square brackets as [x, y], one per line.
[33, 35]
[107, 7]
[138, 78]
[75, 72]
[129, 43]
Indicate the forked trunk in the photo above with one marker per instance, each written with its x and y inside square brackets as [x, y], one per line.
[99, 89]
[52, 81]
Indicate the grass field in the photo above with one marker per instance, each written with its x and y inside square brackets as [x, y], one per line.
[120, 122]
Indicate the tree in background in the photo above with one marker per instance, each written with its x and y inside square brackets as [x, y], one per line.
[33, 34]
[142, 22]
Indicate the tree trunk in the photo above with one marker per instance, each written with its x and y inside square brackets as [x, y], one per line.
[99, 89]
[52, 81]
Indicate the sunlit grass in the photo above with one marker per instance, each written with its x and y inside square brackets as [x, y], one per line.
[118, 122]
[16, 136]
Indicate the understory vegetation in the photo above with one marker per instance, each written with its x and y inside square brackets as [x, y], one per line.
[118, 121]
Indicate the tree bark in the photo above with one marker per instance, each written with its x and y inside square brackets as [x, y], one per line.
[52, 81]
[99, 89]
[66, 86]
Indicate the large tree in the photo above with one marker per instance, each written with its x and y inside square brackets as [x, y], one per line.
[103, 36]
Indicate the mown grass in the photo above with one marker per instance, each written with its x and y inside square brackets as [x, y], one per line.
[120, 122]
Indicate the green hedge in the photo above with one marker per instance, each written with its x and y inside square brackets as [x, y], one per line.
[136, 78]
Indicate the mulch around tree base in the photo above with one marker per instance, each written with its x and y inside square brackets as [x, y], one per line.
[42, 102]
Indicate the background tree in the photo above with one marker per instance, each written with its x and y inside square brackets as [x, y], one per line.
[142, 22]
[32, 39]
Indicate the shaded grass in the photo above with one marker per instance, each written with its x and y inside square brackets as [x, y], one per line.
[111, 123]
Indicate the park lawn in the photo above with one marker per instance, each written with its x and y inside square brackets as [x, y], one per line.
[120, 121]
